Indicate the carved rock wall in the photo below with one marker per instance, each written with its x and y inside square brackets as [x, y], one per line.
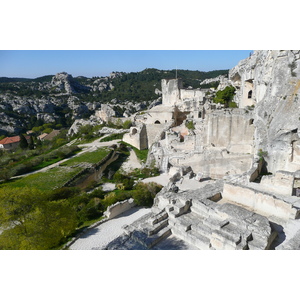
[273, 77]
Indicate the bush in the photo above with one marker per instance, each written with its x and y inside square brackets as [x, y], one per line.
[225, 96]
[145, 173]
[190, 125]
[144, 193]
[232, 105]
[63, 193]
[262, 154]
[127, 124]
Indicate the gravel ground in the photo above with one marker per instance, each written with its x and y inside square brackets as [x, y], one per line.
[98, 237]
[131, 163]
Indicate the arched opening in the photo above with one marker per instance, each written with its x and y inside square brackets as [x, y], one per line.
[156, 122]
[250, 94]
[134, 131]
[251, 121]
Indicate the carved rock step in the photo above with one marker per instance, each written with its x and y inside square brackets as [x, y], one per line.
[185, 221]
[202, 229]
[179, 208]
[158, 218]
[157, 227]
[147, 241]
[192, 237]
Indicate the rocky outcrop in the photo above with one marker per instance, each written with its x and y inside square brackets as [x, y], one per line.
[92, 121]
[64, 82]
[269, 81]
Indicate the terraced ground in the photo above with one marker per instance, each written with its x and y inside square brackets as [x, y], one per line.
[57, 176]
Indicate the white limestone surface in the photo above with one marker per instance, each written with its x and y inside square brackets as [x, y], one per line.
[131, 163]
[97, 238]
[183, 184]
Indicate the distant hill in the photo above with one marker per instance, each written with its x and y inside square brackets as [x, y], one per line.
[46, 78]
[26, 103]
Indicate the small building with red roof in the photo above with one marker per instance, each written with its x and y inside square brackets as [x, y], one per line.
[11, 143]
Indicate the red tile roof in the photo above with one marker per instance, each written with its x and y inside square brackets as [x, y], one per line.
[11, 140]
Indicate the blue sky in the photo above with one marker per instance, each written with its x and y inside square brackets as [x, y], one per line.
[35, 63]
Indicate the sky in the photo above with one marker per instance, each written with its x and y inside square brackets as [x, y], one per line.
[89, 63]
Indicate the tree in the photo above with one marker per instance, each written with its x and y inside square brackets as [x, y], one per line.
[5, 173]
[31, 221]
[31, 143]
[23, 142]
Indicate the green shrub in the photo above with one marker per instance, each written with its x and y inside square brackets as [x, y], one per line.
[144, 193]
[225, 96]
[232, 104]
[190, 125]
[262, 154]
[127, 124]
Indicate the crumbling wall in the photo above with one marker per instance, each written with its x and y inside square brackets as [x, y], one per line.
[137, 137]
[282, 182]
[231, 129]
[171, 91]
[214, 163]
[275, 75]
[191, 94]
[261, 202]
[118, 208]
[153, 131]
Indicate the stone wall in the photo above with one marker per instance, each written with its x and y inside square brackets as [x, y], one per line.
[231, 129]
[137, 137]
[214, 163]
[170, 91]
[261, 202]
[118, 208]
[195, 95]
[153, 131]
[282, 182]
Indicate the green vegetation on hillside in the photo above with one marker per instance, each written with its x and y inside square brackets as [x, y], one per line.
[37, 212]
[139, 86]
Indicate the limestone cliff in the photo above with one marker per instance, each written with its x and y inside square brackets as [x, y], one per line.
[269, 81]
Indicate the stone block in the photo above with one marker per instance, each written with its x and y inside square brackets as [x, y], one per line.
[199, 240]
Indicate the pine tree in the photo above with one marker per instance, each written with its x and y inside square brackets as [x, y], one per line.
[23, 142]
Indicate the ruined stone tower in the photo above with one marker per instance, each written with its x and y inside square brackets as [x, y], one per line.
[171, 91]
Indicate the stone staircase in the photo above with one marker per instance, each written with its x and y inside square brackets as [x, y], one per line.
[207, 225]
[150, 231]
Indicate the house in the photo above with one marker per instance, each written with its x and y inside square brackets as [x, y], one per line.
[11, 143]
[48, 136]
[52, 135]
[42, 136]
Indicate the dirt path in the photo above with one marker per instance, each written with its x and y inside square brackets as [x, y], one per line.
[131, 163]
[100, 236]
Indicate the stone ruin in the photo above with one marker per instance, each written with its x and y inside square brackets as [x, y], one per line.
[247, 157]
[227, 214]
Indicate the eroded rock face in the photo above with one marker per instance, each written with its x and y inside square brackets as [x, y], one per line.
[65, 83]
[270, 81]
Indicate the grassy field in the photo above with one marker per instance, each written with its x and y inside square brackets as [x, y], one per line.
[56, 177]
[89, 157]
[45, 181]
